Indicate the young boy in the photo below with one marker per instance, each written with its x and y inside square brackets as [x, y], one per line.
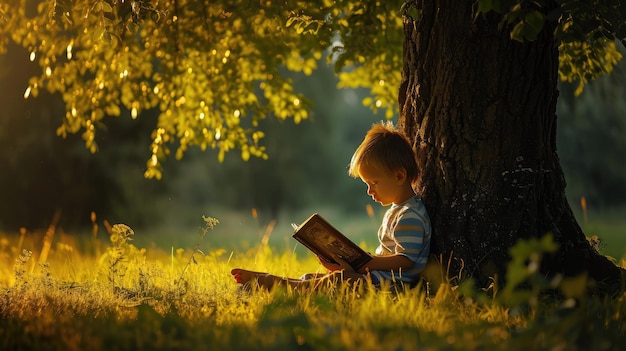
[385, 162]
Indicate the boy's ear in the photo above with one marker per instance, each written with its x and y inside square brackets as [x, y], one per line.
[401, 175]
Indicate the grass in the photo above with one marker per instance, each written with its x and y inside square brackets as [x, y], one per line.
[108, 292]
[610, 228]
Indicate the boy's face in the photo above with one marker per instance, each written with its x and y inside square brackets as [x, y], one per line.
[385, 187]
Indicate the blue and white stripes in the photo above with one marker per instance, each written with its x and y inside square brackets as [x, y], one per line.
[405, 230]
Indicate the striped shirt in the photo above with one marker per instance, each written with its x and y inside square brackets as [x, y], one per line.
[405, 230]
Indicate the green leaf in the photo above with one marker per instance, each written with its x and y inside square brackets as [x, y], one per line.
[485, 6]
[535, 21]
[517, 33]
[98, 33]
[103, 6]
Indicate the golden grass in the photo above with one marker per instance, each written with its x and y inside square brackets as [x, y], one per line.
[112, 295]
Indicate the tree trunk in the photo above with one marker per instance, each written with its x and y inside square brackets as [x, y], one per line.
[481, 111]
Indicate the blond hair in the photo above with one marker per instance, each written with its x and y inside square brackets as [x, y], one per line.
[386, 148]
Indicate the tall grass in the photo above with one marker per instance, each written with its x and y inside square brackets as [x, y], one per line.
[132, 298]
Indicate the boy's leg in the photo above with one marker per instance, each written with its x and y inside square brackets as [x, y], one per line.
[265, 280]
[308, 276]
[334, 278]
[316, 281]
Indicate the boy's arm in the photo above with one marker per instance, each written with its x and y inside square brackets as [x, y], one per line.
[387, 263]
[395, 262]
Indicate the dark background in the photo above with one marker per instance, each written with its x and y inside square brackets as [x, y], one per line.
[42, 174]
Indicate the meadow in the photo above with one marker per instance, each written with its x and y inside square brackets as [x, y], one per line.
[113, 290]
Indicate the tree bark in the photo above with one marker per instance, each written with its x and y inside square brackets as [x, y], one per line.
[480, 109]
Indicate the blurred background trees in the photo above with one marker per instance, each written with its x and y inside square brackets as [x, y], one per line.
[41, 173]
[592, 140]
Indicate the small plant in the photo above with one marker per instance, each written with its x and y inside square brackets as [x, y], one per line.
[120, 237]
[209, 224]
[20, 268]
[524, 282]
[596, 243]
[120, 255]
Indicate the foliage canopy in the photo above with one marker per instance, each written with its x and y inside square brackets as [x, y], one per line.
[213, 70]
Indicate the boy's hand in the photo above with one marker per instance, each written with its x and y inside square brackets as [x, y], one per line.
[331, 266]
[340, 264]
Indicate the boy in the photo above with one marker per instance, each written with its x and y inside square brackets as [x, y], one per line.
[385, 162]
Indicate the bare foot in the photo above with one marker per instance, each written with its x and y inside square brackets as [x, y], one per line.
[243, 276]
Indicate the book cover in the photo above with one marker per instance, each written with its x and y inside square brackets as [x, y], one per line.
[319, 236]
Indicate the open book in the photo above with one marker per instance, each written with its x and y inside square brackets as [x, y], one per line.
[327, 242]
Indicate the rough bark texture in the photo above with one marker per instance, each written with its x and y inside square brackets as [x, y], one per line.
[481, 110]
